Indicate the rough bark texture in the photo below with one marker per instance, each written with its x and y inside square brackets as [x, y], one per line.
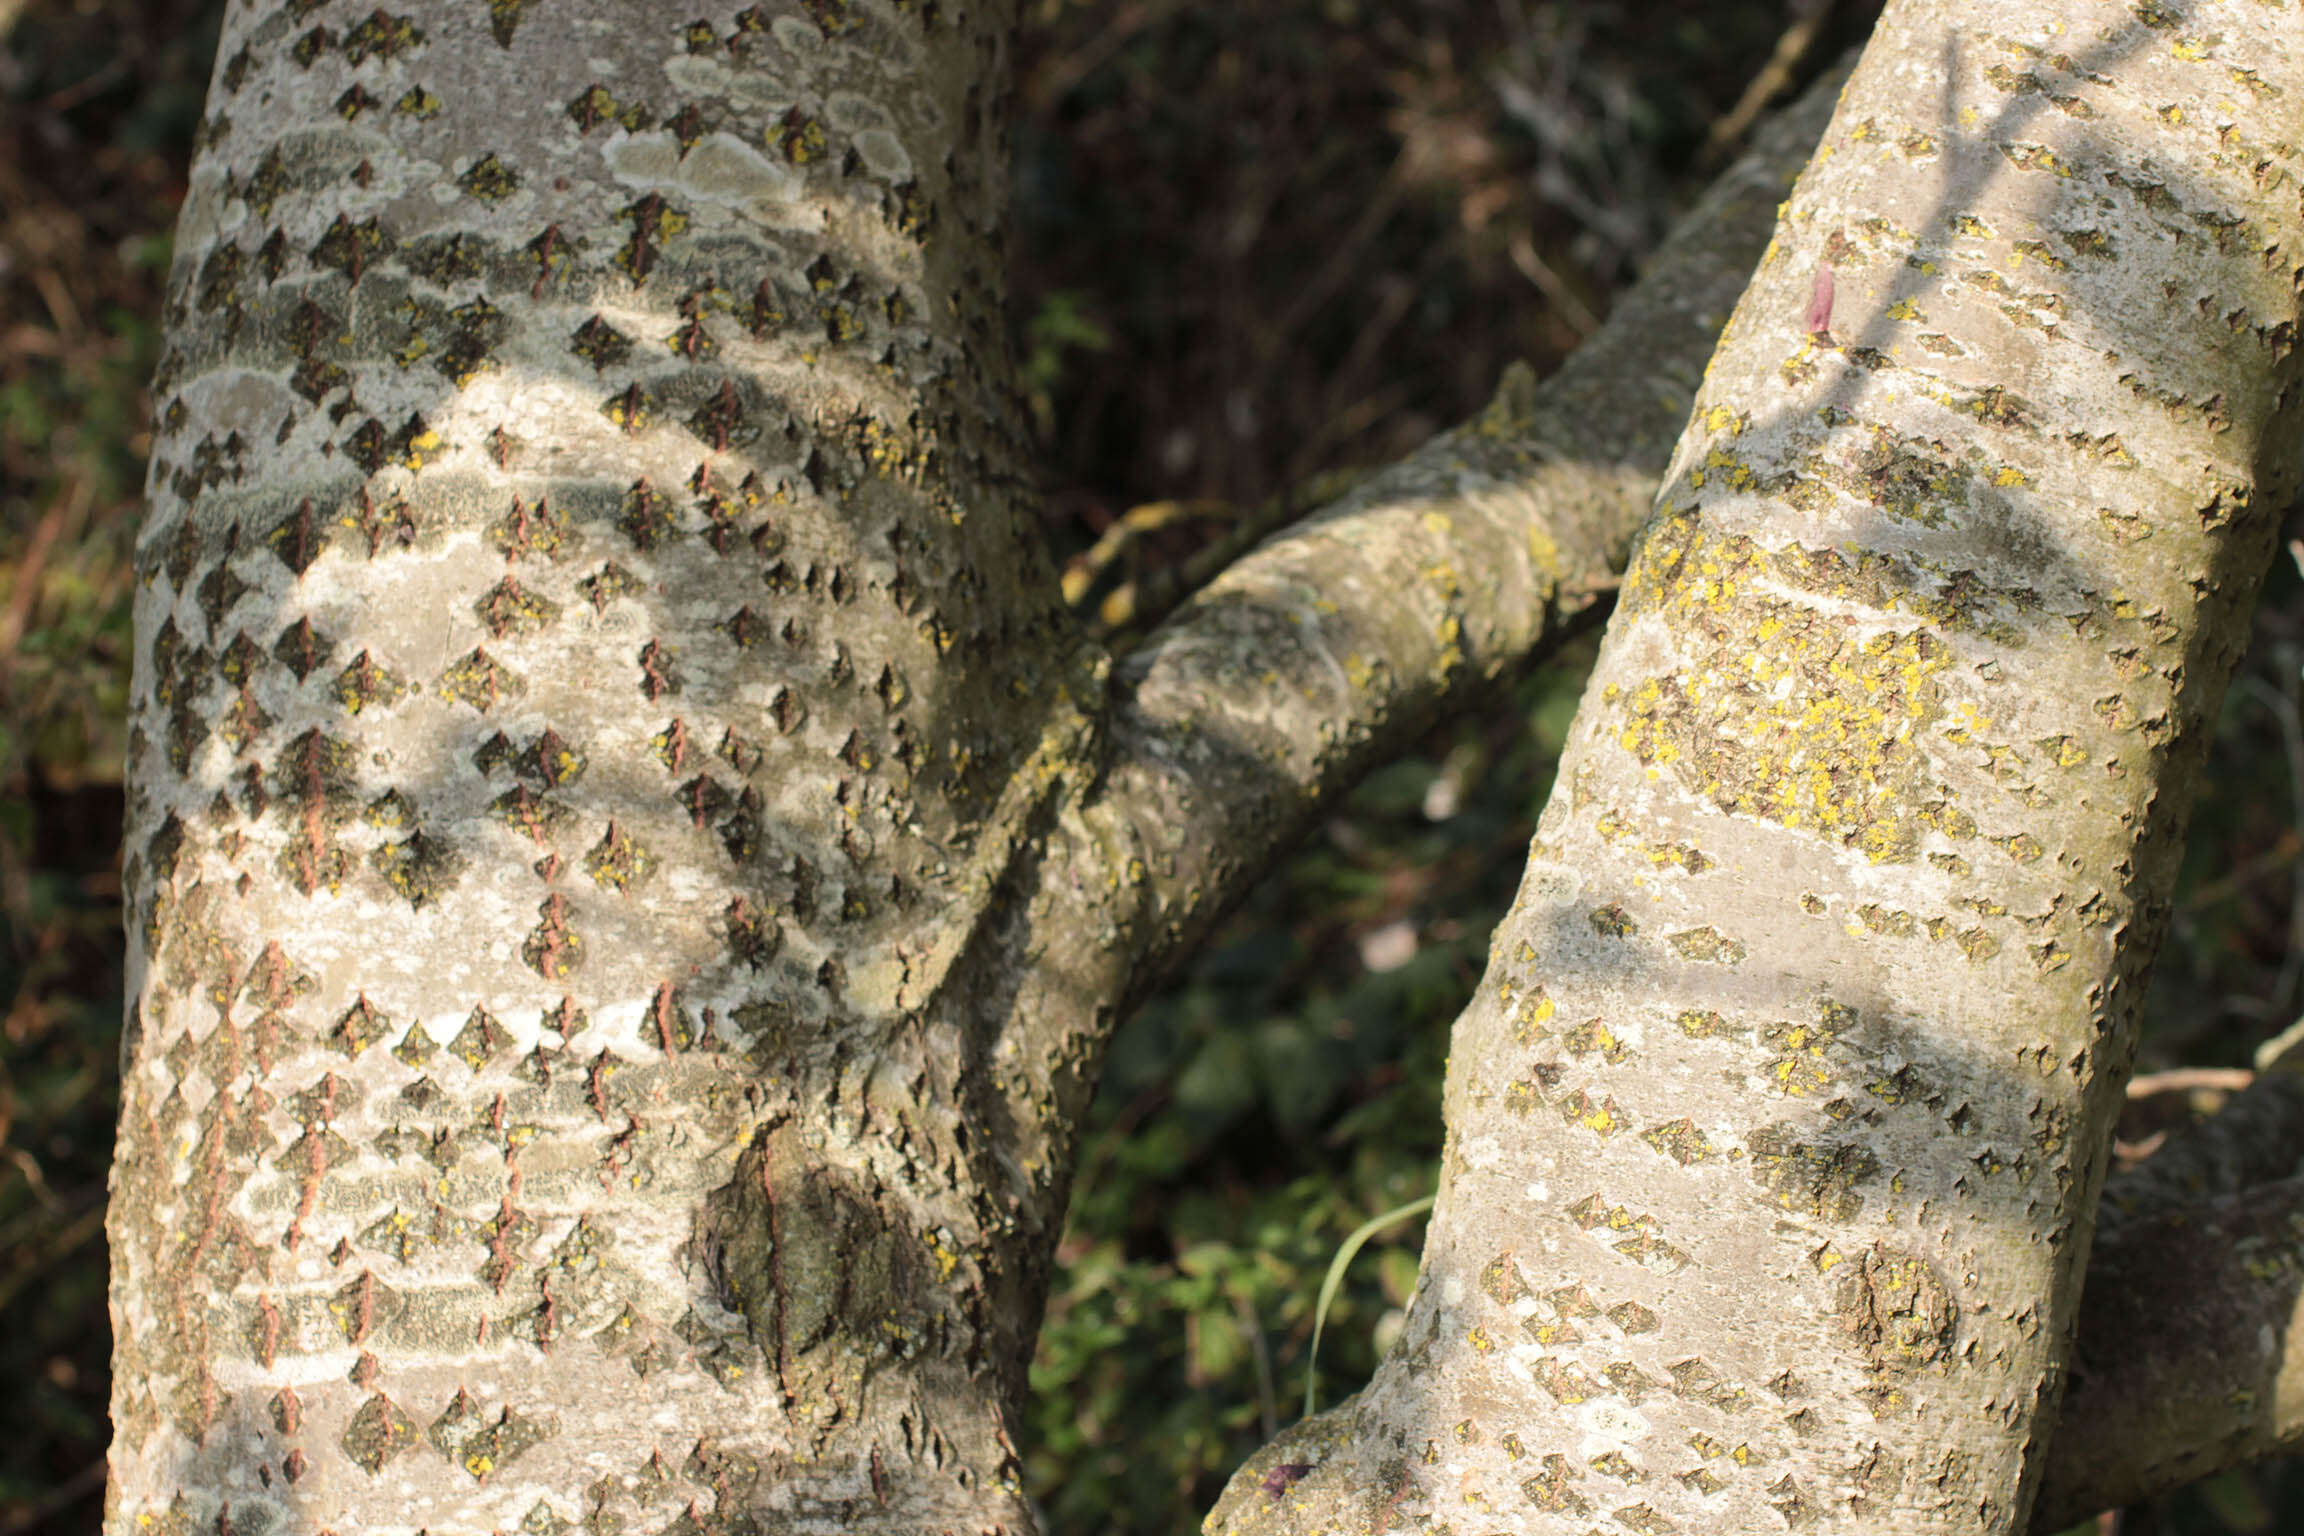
[605, 1035]
[2188, 1361]
[593, 673]
[630, 871]
[1775, 1132]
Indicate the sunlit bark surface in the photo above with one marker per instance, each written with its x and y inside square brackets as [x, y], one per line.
[1776, 1129]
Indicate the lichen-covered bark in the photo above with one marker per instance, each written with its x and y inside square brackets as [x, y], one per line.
[592, 679]
[1776, 1129]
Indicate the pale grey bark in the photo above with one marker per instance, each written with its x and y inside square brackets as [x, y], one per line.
[593, 665]
[632, 873]
[1776, 1130]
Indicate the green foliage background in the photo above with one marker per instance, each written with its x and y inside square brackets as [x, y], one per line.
[1256, 244]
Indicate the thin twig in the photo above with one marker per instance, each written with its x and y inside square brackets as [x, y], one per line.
[2189, 1080]
[1775, 77]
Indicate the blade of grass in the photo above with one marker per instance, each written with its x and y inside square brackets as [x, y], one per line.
[1335, 1278]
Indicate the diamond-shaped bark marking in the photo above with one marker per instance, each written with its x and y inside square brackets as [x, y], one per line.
[509, 608]
[402, 1235]
[619, 860]
[600, 344]
[420, 867]
[744, 627]
[739, 753]
[391, 525]
[299, 538]
[362, 1308]
[753, 936]
[1680, 1140]
[597, 1077]
[391, 810]
[1553, 1490]
[526, 530]
[1815, 1178]
[239, 660]
[168, 648]
[667, 1024]
[543, 1520]
[416, 1046]
[1632, 1317]
[653, 222]
[704, 799]
[494, 753]
[220, 590]
[692, 341]
[481, 681]
[186, 732]
[1599, 1116]
[609, 583]
[550, 760]
[275, 981]
[350, 248]
[361, 1026]
[646, 516]
[740, 835]
[673, 745]
[367, 682]
[721, 418]
[1650, 1251]
[552, 949]
[466, 1435]
[787, 709]
[378, 1432]
[303, 649]
[481, 1038]
[383, 34]
[658, 674]
[630, 408]
[528, 812]
[490, 179]
[1693, 1379]
[510, 1230]
[245, 721]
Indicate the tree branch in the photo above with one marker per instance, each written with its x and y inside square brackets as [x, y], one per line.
[1335, 644]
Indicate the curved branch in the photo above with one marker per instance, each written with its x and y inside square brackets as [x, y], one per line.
[1333, 645]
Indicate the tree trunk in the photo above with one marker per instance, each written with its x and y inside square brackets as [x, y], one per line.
[1776, 1128]
[631, 868]
[596, 668]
